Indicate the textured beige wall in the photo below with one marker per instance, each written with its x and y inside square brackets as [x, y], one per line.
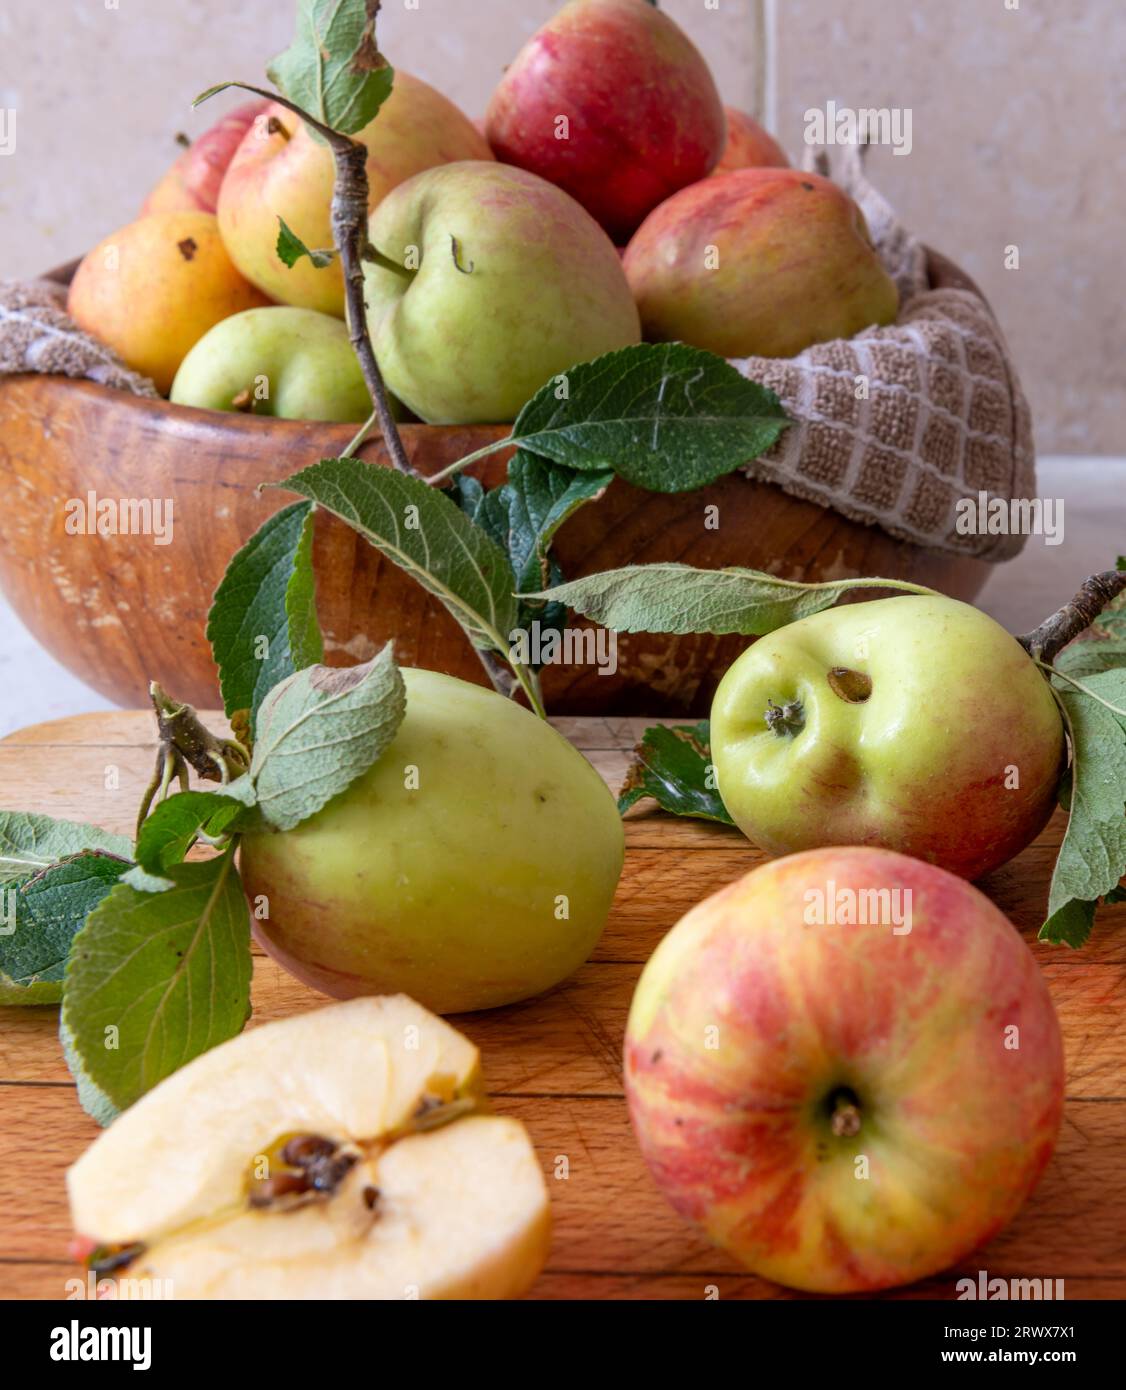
[1018, 120]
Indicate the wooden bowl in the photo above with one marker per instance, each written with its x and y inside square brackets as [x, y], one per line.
[120, 611]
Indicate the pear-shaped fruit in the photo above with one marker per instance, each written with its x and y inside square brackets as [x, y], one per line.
[341, 1153]
[473, 865]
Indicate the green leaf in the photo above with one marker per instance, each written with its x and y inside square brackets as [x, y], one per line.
[321, 729]
[93, 1100]
[665, 417]
[172, 828]
[530, 507]
[156, 979]
[29, 843]
[679, 599]
[263, 623]
[40, 922]
[1103, 648]
[333, 69]
[1092, 857]
[1070, 924]
[424, 532]
[673, 766]
[522, 516]
[291, 248]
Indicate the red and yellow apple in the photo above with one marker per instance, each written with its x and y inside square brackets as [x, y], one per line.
[915, 723]
[760, 262]
[749, 146]
[153, 289]
[193, 181]
[846, 1068]
[611, 101]
[279, 170]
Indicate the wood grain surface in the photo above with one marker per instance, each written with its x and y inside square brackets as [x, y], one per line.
[554, 1062]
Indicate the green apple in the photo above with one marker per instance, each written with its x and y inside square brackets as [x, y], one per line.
[341, 1153]
[916, 723]
[295, 364]
[493, 282]
[846, 1068]
[473, 865]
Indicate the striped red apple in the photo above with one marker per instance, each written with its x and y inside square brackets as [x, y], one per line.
[846, 1068]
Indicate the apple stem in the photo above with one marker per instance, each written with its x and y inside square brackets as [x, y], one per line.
[1045, 642]
[184, 742]
[437, 479]
[360, 435]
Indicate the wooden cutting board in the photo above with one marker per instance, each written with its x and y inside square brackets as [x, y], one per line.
[554, 1062]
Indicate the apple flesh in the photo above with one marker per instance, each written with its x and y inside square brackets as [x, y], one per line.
[473, 865]
[749, 146]
[294, 364]
[758, 263]
[923, 727]
[341, 1153]
[845, 1107]
[279, 170]
[193, 181]
[611, 101]
[153, 289]
[501, 283]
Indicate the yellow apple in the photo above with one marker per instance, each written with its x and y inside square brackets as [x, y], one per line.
[153, 289]
[342, 1153]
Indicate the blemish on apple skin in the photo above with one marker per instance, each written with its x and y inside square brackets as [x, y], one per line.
[187, 248]
[656, 1057]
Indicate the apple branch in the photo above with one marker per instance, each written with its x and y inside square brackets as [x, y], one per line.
[349, 231]
[1045, 642]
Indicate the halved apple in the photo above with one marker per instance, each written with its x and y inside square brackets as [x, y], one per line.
[342, 1153]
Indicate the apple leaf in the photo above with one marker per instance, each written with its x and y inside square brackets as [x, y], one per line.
[425, 533]
[333, 68]
[174, 826]
[41, 919]
[680, 599]
[523, 514]
[291, 248]
[1092, 857]
[673, 766]
[31, 843]
[319, 730]
[156, 979]
[665, 417]
[263, 621]
[92, 1099]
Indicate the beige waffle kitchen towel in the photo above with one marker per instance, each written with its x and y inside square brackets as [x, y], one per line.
[36, 335]
[895, 426]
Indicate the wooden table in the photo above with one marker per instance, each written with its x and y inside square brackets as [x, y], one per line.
[554, 1062]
